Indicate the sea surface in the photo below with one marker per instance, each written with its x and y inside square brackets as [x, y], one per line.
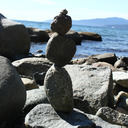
[114, 40]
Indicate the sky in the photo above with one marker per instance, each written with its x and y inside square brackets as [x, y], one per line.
[41, 10]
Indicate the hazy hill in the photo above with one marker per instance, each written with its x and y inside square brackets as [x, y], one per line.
[100, 22]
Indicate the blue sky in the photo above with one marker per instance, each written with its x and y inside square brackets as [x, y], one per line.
[41, 10]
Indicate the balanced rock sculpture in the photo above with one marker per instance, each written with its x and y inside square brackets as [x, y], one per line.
[60, 50]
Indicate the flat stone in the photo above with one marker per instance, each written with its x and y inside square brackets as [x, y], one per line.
[121, 78]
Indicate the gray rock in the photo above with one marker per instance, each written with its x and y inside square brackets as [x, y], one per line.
[61, 24]
[112, 116]
[58, 88]
[106, 57]
[92, 87]
[64, 12]
[120, 64]
[29, 66]
[14, 38]
[12, 93]
[60, 49]
[34, 97]
[121, 78]
[37, 35]
[45, 116]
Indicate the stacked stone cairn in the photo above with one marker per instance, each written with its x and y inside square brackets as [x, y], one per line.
[60, 50]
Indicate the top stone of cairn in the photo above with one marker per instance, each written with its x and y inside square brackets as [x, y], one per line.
[61, 23]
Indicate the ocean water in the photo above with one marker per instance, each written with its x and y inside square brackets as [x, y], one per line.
[114, 40]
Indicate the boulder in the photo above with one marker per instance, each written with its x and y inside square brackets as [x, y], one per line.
[29, 83]
[90, 36]
[34, 97]
[106, 57]
[121, 78]
[14, 39]
[60, 49]
[112, 116]
[74, 36]
[44, 116]
[12, 93]
[57, 83]
[37, 35]
[29, 66]
[92, 87]
[61, 24]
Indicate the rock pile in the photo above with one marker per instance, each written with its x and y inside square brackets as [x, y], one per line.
[60, 50]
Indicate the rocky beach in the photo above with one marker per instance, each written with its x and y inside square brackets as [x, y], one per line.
[52, 90]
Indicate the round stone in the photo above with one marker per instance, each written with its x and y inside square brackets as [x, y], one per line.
[58, 88]
[60, 49]
[61, 24]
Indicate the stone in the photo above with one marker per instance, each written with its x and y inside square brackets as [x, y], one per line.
[78, 61]
[121, 78]
[14, 39]
[92, 87]
[105, 64]
[122, 100]
[37, 35]
[61, 24]
[39, 77]
[12, 93]
[34, 97]
[120, 64]
[64, 12]
[90, 36]
[112, 116]
[44, 116]
[31, 65]
[29, 83]
[74, 36]
[58, 88]
[60, 49]
[106, 57]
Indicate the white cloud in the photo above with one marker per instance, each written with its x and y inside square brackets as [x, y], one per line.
[45, 1]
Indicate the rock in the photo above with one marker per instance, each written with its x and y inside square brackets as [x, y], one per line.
[78, 61]
[101, 123]
[29, 83]
[112, 116]
[92, 87]
[90, 36]
[60, 49]
[106, 57]
[34, 97]
[74, 36]
[37, 35]
[64, 12]
[57, 83]
[120, 64]
[61, 24]
[12, 93]
[122, 100]
[44, 115]
[39, 77]
[29, 66]
[121, 78]
[14, 39]
[105, 64]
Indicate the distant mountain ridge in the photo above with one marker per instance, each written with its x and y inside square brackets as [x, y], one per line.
[111, 21]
